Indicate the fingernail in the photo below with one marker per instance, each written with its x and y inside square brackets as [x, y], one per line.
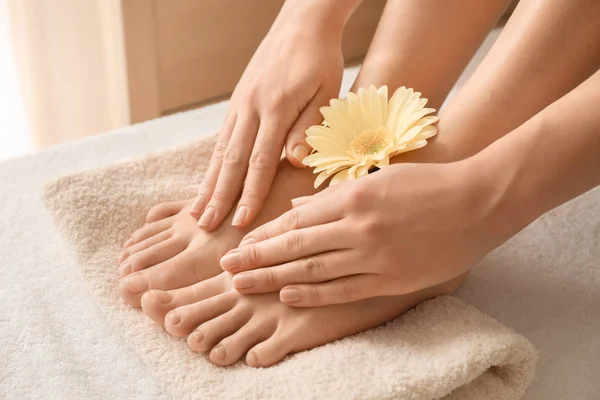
[290, 295]
[300, 152]
[240, 216]
[246, 242]
[173, 317]
[124, 268]
[198, 204]
[137, 283]
[219, 352]
[207, 217]
[128, 243]
[244, 280]
[231, 261]
[198, 335]
[162, 297]
[123, 256]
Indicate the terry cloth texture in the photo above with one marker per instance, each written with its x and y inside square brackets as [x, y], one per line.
[442, 349]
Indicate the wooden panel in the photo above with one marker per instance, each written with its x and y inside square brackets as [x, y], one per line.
[203, 46]
[139, 30]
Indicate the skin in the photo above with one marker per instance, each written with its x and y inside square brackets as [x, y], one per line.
[293, 73]
[179, 292]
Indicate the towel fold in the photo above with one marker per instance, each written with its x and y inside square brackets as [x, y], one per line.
[441, 349]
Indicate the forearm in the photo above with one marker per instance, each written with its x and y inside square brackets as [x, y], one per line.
[552, 158]
[327, 17]
[426, 44]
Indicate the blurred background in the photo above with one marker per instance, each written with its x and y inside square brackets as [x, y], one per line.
[75, 68]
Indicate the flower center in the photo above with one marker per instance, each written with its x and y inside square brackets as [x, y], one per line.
[369, 142]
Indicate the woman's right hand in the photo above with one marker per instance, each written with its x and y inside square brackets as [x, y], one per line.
[296, 70]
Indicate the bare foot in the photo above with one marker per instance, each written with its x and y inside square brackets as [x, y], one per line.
[170, 251]
[217, 319]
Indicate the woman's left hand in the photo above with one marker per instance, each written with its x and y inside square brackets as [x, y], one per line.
[399, 230]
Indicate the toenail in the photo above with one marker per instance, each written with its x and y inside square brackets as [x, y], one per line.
[219, 353]
[124, 268]
[198, 336]
[245, 280]
[174, 317]
[231, 261]
[290, 295]
[208, 217]
[162, 296]
[137, 283]
[252, 359]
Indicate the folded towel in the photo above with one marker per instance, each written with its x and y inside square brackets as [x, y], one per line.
[441, 349]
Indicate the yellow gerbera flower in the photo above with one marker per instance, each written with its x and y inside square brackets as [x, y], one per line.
[365, 130]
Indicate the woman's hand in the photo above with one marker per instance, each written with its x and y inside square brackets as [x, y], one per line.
[404, 228]
[296, 70]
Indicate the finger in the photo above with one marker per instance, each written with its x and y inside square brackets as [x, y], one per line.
[318, 212]
[338, 291]
[262, 168]
[210, 177]
[298, 201]
[231, 176]
[290, 246]
[296, 147]
[319, 268]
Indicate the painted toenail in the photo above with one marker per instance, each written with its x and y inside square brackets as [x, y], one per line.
[290, 295]
[208, 217]
[219, 353]
[240, 216]
[231, 261]
[124, 268]
[252, 359]
[174, 317]
[137, 283]
[198, 336]
[162, 297]
[245, 280]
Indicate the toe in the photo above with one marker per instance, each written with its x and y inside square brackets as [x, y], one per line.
[157, 303]
[151, 229]
[183, 320]
[156, 254]
[133, 286]
[165, 210]
[269, 352]
[125, 266]
[231, 349]
[206, 336]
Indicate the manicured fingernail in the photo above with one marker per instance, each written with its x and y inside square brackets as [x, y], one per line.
[128, 243]
[219, 353]
[162, 297]
[124, 268]
[137, 283]
[174, 318]
[300, 152]
[240, 216]
[198, 204]
[290, 295]
[244, 280]
[246, 242]
[207, 218]
[231, 261]
[198, 336]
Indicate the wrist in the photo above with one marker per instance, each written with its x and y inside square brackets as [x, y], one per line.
[325, 18]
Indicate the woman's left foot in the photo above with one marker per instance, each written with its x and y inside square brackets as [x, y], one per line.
[217, 319]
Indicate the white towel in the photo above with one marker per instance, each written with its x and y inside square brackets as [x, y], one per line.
[443, 348]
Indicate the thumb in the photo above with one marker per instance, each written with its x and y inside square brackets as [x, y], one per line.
[296, 148]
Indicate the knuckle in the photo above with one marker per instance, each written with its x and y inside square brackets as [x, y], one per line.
[250, 196]
[253, 255]
[233, 157]
[219, 196]
[277, 102]
[350, 291]
[314, 295]
[313, 267]
[220, 148]
[293, 242]
[291, 220]
[370, 226]
[269, 277]
[262, 160]
[358, 197]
